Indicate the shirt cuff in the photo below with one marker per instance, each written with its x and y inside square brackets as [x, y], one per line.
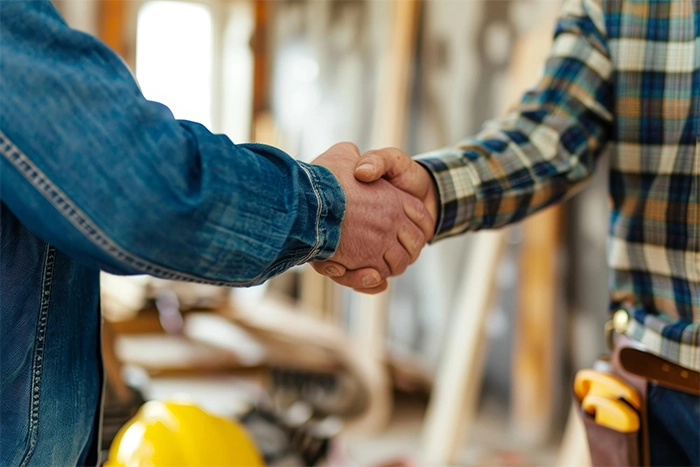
[456, 182]
[330, 212]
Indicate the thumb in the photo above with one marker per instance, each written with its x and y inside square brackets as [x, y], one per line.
[390, 163]
[370, 167]
[396, 167]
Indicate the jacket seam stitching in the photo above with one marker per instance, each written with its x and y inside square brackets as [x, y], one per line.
[319, 210]
[40, 346]
[82, 222]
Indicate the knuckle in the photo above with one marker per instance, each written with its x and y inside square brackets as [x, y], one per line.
[401, 261]
[403, 265]
[421, 212]
[419, 240]
[394, 151]
[374, 156]
[346, 145]
[396, 154]
[384, 272]
[415, 209]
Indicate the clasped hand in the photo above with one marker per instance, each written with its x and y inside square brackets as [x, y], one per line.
[391, 207]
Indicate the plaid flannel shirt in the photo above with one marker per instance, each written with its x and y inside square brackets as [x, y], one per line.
[622, 76]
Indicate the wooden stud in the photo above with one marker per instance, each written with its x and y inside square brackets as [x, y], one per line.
[390, 118]
[458, 380]
[574, 446]
[534, 348]
[532, 399]
[261, 64]
[112, 26]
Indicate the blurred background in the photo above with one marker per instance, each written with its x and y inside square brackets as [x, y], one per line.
[468, 358]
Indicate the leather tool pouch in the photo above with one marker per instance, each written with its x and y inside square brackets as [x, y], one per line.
[637, 369]
[609, 447]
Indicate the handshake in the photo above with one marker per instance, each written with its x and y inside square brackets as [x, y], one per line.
[391, 209]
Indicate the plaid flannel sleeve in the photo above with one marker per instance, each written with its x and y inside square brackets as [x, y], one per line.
[545, 147]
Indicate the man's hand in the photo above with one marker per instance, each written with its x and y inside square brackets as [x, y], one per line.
[402, 172]
[384, 228]
[405, 174]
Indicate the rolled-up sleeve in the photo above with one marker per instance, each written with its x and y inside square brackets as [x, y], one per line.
[113, 179]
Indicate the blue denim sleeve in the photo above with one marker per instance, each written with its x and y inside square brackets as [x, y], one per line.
[91, 166]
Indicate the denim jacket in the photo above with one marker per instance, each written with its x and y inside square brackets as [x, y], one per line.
[94, 176]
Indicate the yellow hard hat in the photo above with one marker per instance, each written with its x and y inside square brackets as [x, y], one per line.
[182, 435]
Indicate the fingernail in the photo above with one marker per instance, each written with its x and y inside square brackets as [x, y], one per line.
[332, 271]
[369, 280]
[369, 167]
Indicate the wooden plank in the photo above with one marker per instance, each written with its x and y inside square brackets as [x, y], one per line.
[219, 17]
[112, 27]
[533, 392]
[260, 45]
[313, 292]
[458, 380]
[391, 111]
[390, 118]
[79, 14]
[574, 446]
[264, 127]
[532, 398]
[112, 365]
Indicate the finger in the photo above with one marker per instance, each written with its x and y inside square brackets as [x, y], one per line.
[328, 268]
[375, 290]
[398, 259]
[416, 211]
[365, 278]
[412, 239]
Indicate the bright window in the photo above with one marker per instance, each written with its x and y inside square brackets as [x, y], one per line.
[174, 57]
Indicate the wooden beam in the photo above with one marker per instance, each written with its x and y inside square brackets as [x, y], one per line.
[263, 126]
[390, 117]
[313, 293]
[534, 347]
[533, 394]
[458, 380]
[112, 26]
[79, 14]
[574, 445]
[392, 106]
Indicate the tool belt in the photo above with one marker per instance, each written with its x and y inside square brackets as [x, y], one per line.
[612, 399]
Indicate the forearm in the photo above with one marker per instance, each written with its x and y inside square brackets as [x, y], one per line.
[220, 228]
[92, 167]
[543, 150]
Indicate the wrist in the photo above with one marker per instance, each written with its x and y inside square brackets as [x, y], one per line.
[329, 213]
[432, 201]
[431, 198]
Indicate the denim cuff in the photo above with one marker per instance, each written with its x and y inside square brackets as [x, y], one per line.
[330, 211]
